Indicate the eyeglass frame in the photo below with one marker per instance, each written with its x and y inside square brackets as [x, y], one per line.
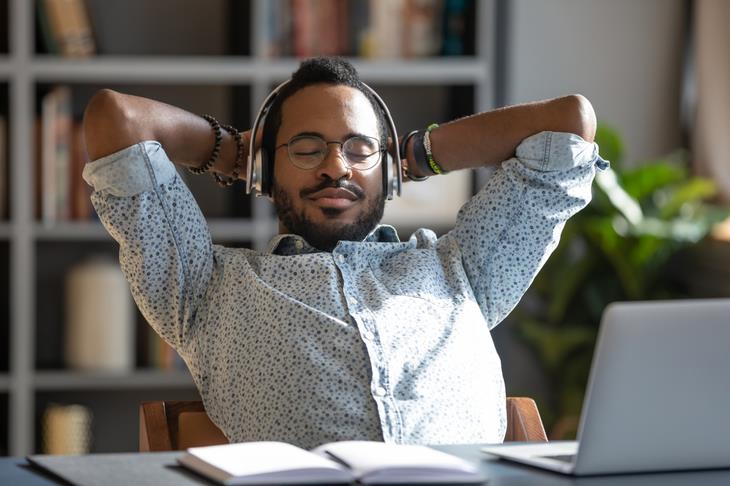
[381, 150]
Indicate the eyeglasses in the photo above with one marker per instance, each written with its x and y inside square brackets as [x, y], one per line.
[308, 151]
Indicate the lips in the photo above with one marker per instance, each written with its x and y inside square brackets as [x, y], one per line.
[334, 193]
[333, 197]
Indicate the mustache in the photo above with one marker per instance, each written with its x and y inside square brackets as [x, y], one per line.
[336, 184]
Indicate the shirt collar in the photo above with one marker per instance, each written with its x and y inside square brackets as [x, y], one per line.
[289, 244]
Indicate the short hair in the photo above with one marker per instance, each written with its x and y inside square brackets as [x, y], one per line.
[317, 70]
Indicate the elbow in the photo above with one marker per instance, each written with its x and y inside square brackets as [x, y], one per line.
[582, 118]
[104, 123]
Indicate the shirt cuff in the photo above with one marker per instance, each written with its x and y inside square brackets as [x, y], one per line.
[555, 151]
[133, 170]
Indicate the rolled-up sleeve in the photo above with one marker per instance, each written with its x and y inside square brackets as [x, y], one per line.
[165, 249]
[509, 229]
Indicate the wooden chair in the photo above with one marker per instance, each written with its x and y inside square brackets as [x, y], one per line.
[177, 425]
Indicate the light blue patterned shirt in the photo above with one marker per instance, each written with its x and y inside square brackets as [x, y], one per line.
[377, 340]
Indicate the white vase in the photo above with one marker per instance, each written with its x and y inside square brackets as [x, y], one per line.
[100, 318]
[66, 429]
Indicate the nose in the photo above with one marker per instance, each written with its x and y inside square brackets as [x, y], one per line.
[334, 166]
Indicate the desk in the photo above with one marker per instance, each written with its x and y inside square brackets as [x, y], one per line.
[160, 469]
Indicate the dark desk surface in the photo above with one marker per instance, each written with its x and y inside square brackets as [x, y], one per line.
[160, 469]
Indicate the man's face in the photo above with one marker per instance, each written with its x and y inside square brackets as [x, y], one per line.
[331, 202]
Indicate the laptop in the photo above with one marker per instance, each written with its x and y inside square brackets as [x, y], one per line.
[658, 396]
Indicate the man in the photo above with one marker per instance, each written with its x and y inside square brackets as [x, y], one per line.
[339, 331]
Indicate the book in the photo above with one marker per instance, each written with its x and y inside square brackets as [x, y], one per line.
[367, 462]
[56, 140]
[4, 174]
[66, 28]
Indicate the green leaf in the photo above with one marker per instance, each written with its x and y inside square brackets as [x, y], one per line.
[695, 189]
[552, 344]
[644, 181]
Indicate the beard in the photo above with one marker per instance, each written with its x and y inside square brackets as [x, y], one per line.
[325, 235]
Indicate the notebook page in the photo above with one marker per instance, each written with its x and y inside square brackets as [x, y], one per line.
[397, 460]
[257, 458]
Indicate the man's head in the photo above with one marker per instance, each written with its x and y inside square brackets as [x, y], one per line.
[334, 200]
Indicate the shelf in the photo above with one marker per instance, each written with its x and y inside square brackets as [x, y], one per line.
[221, 229]
[6, 67]
[5, 231]
[239, 69]
[137, 380]
[4, 382]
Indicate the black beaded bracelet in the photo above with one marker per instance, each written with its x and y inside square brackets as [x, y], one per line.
[419, 153]
[404, 152]
[216, 147]
[227, 181]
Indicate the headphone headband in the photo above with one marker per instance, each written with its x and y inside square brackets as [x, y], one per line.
[258, 175]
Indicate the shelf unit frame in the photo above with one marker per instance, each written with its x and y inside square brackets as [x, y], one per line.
[22, 70]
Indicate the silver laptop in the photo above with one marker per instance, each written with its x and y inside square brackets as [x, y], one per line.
[658, 395]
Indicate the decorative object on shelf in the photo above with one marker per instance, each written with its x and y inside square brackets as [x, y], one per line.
[66, 28]
[100, 317]
[66, 429]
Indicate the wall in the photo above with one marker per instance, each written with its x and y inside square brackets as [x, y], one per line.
[624, 55]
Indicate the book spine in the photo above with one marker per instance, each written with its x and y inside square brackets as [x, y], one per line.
[301, 34]
[49, 111]
[63, 141]
[454, 27]
[69, 28]
[421, 30]
[3, 169]
[386, 28]
[44, 20]
[80, 190]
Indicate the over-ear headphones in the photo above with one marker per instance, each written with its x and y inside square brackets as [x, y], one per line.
[261, 164]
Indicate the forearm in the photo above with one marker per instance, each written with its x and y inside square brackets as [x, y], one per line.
[491, 137]
[113, 121]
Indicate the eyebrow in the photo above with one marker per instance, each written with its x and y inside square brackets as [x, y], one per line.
[317, 134]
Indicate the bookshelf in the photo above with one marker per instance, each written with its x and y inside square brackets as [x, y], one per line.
[224, 70]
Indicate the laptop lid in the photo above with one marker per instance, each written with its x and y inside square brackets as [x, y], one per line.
[659, 389]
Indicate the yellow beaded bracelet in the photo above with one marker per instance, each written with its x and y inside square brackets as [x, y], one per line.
[435, 167]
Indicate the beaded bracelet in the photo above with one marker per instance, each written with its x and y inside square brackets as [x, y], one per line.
[435, 167]
[419, 153]
[239, 157]
[216, 148]
[403, 152]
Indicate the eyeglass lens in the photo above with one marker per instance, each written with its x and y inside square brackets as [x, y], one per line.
[360, 152]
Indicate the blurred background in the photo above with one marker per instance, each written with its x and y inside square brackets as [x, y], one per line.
[76, 357]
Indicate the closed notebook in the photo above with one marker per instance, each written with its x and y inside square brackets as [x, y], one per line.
[333, 463]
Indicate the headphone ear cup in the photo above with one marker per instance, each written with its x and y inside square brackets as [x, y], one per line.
[388, 176]
[259, 176]
[266, 181]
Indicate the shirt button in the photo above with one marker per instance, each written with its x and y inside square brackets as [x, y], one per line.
[380, 391]
[368, 335]
[341, 259]
[298, 245]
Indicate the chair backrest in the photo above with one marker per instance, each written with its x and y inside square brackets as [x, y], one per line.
[177, 425]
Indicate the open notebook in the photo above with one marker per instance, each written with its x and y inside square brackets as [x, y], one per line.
[333, 463]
